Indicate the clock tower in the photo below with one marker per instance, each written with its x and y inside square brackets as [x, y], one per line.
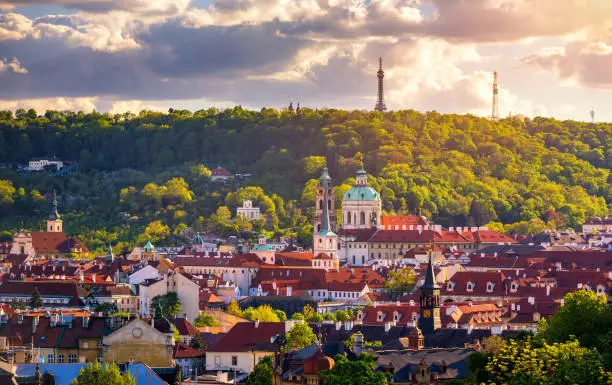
[430, 321]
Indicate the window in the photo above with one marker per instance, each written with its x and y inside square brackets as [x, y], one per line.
[60, 358]
[234, 360]
[217, 360]
[72, 358]
[348, 220]
[470, 286]
[50, 359]
[362, 218]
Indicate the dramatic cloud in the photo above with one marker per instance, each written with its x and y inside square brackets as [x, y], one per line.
[585, 62]
[438, 54]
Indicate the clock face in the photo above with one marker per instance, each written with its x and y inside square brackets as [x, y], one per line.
[427, 313]
[137, 332]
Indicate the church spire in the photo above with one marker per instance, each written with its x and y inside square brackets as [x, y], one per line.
[380, 103]
[362, 175]
[325, 229]
[325, 179]
[53, 213]
[110, 257]
[430, 281]
[430, 320]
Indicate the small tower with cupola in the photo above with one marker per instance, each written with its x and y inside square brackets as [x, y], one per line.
[54, 222]
[325, 186]
[325, 240]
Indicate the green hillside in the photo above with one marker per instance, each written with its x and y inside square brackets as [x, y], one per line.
[455, 169]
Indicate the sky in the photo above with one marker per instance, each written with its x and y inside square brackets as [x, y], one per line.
[553, 57]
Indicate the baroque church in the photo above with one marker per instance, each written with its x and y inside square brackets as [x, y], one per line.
[361, 216]
[52, 243]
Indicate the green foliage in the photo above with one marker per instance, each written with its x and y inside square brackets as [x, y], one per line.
[527, 174]
[36, 300]
[525, 362]
[106, 308]
[370, 344]
[167, 305]
[585, 316]
[234, 309]
[360, 372]
[401, 281]
[299, 337]
[262, 373]
[205, 320]
[97, 374]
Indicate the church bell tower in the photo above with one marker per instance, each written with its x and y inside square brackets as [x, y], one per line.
[54, 223]
[430, 321]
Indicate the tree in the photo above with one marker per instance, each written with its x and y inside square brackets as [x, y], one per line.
[360, 372]
[529, 362]
[106, 308]
[205, 320]
[98, 374]
[262, 373]
[401, 281]
[234, 309]
[263, 313]
[299, 337]
[167, 305]
[36, 300]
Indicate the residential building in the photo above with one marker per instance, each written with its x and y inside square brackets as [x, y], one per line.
[39, 164]
[187, 291]
[602, 225]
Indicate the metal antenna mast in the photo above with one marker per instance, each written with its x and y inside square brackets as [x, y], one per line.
[495, 109]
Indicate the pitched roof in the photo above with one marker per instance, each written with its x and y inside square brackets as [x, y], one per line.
[224, 260]
[181, 350]
[220, 171]
[245, 336]
[402, 220]
[46, 289]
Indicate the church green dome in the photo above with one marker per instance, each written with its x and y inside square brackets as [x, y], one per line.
[361, 193]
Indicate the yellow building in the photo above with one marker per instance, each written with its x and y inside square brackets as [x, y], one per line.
[139, 341]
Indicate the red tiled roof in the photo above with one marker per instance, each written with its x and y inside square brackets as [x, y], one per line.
[407, 236]
[293, 259]
[346, 286]
[359, 235]
[185, 328]
[480, 280]
[322, 256]
[404, 311]
[226, 260]
[44, 242]
[208, 297]
[245, 336]
[220, 171]
[402, 220]
[181, 350]
[490, 236]
[46, 289]
[500, 262]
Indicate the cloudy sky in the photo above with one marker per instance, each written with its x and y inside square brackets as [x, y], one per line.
[554, 57]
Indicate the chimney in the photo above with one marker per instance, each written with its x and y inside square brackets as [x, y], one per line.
[518, 307]
[34, 324]
[531, 300]
[19, 318]
[358, 343]
[256, 323]
[53, 320]
[387, 327]
[348, 325]
[513, 307]
[547, 290]
[85, 321]
[338, 325]
[289, 291]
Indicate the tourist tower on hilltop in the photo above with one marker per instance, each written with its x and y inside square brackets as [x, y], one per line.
[380, 103]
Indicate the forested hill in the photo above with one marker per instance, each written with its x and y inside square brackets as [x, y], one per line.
[456, 169]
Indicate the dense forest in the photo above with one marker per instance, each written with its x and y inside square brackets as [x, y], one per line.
[148, 175]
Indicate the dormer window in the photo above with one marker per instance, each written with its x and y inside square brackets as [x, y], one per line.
[396, 316]
[450, 285]
[380, 316]
[414, 317]
[513, 286]
[360, 316]
[490, 287]
[469, 286]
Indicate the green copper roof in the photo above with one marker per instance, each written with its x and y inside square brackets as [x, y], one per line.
[361, 193]
[148, 248]
[197, 240]
[259, 247]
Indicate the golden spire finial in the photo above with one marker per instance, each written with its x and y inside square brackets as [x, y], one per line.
[361, 160]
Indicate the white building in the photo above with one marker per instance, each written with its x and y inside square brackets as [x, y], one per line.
[361, 205]
[248, 211]
[188, 294]
[39, 164]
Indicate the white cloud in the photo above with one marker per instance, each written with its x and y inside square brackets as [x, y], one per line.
[12, 65]
[44, 104]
